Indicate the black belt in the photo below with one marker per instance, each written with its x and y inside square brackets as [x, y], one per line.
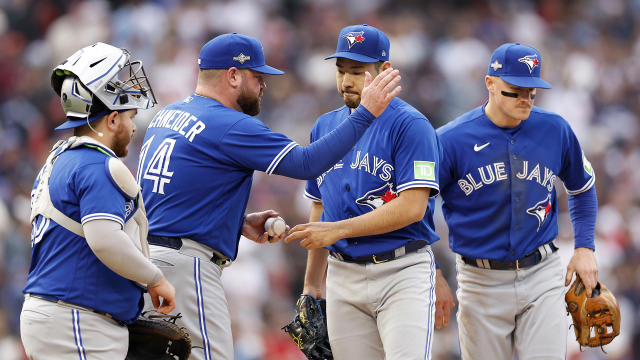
[531, 259]
[54, 299]
[411, 246]
[176, 243]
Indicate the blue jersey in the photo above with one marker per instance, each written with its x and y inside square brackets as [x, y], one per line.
[62, 263]
[196, 167]
[399, 151]
[497, 184]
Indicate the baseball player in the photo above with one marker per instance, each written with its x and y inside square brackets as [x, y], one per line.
[372, 213]
[497, 181]
[196, 166]
[90, 263]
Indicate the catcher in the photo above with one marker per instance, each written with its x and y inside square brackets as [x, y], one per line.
[309, 328]
[596, 318]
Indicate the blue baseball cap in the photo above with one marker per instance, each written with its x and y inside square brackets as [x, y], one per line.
[235, 50]
[362, 43]
[518, 65]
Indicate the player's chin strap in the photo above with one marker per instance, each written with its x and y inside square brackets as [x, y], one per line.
[136, 227]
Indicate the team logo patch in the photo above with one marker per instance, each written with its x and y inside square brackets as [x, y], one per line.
[496, 65]
[424, 170]
[531, 61]
[541, 210]
[377, 197]
[354, 37]
[587, 165]
[241, 58]
[128, 208]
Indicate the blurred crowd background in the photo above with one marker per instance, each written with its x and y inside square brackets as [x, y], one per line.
[591, 55]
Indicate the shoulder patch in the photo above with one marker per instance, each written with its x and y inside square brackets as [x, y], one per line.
[424, 170]
[122, 177]
[587, 165]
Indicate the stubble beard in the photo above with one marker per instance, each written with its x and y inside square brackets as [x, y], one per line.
[351, 102]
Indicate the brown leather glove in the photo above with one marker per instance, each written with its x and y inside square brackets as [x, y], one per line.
[596, 320]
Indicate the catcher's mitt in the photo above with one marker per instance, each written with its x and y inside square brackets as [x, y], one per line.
[155, 336]
[596, 320]
[309, 328]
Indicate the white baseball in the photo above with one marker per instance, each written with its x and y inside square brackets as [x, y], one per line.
[275, 226]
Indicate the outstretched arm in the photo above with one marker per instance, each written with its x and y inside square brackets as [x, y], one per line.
[310, 161]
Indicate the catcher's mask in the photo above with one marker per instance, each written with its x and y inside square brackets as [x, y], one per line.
[104, 72]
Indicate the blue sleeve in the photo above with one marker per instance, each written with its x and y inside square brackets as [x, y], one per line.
[312, 188]
[252, 145]
[445, 173]
[98, 197]
[583, 209]
[416, 156]
[576, 172]
[309, 162]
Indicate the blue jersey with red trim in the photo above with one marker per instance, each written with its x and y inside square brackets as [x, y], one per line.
[398, 151]
[498, 184]
[62, 263]
[196, 167]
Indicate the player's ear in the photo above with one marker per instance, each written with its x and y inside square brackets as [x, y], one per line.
[112, 120]
[385, 65]
[234, 77]
[490, 83]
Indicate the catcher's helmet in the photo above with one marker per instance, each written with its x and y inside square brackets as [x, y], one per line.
[104, 72]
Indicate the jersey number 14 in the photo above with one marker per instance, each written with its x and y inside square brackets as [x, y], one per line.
[157, 169]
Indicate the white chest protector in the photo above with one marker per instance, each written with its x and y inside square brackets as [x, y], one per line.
[136, 227]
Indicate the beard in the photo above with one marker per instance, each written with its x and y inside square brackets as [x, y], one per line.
[121, 144]
[250, 105]
[350, 99]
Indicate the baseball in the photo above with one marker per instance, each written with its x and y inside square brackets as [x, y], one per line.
[275, 226]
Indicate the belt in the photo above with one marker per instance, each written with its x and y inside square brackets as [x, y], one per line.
[176, 243]
[54, 299]
[411, 246]
[531, 259]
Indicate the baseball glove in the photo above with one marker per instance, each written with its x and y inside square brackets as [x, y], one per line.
[155, 336]
[309, 328]
[596, 320]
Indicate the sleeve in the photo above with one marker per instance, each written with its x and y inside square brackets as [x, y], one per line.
[444, 174]
[311, 161]
[583, 209]
[311, 189]
[114, 248]
[417, 156]
[576, 171]
[252, 145]
[98, 197]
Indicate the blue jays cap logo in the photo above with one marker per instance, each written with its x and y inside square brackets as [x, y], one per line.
[541, 210]
[377, 197]
[531, 61]
[354, 37]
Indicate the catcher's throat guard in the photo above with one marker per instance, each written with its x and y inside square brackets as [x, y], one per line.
[596, 319]
[309, 328]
